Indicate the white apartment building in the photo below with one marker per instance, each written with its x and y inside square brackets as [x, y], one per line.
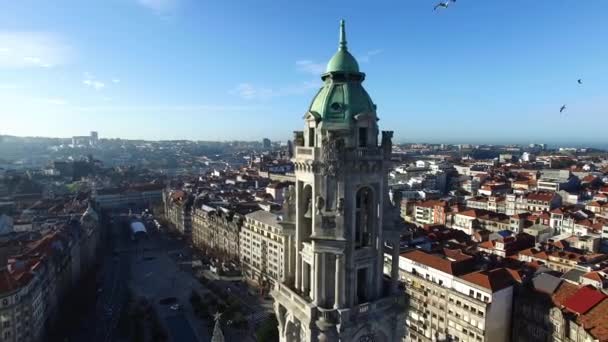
[556, 180]
[450, 301]
[263, 247]
[22, 305]
[532, 202]
[423, 214]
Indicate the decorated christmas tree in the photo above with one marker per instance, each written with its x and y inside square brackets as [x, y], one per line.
[218, 335]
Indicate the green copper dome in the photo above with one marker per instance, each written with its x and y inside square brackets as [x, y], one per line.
[342, 61]
[341, 101]
[342, 96]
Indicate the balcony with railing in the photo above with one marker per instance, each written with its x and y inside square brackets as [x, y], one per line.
[362, 310]
[306, 252]
[374, 153]
[305, 153]
[284, 294]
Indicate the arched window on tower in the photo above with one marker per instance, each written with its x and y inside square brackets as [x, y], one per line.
[362, 136]
[307, 209]
[367, 130]
[364, 219]
[311, 137]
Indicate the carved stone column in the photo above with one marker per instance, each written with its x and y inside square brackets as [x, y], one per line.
[318, 278]
[395, 267]
[305, 278]
[339, 288]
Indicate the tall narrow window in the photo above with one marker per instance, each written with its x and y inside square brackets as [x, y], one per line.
[311, 137]
[307, 209]
[364, 217]
[362, 136]
[361, 285]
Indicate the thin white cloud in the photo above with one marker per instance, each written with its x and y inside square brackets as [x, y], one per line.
[310, 67]
[92, 82]
[166, 108]
[250, 91]
[159, 6]
[369, 54]
[32, 50]
[115, 80]
[97, 85]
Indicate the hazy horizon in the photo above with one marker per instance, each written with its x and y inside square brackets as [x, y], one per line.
[550, 144]
[182, 69]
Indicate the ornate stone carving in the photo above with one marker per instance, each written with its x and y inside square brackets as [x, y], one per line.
[370, 336]
[333, 147]
[340, 206]
[387, 141]
[328, 222]
[367, 338]
[320, 204]
[289, 202]
[289, 195]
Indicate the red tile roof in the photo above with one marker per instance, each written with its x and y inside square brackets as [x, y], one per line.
[437, 262]
[563, 292]
[494, 280]
[593, 275]
[516, 274]
[584, 299]
[588, 179]
[432, 204]
[469, 213]
[540, 196]
[595, 321]
[456, 255]
[7, 282]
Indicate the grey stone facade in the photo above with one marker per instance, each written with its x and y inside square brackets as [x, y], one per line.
[339, 209]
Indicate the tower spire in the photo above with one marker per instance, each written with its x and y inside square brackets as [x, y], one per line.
[342, 35]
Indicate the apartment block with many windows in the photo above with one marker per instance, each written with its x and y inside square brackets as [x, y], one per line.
[264, 249]
[449, 300]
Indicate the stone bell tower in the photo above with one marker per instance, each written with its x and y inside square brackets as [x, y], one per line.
[343, 217]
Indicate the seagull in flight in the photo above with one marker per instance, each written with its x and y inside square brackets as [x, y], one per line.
[580, 81]
[444, 4]
[562, 108]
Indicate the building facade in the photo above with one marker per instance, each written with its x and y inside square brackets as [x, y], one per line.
[217, 230]
[450, 302]
[178, 210]
[22, 310]
[431, 212]
[334, 288]
[532, 202]
[264, 248]
[134, 196]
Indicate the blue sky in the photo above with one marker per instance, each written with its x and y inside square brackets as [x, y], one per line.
[480, 71]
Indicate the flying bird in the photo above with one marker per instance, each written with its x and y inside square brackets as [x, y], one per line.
[562, 108]
[444, 4]
[580, 81]
[441, 5]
